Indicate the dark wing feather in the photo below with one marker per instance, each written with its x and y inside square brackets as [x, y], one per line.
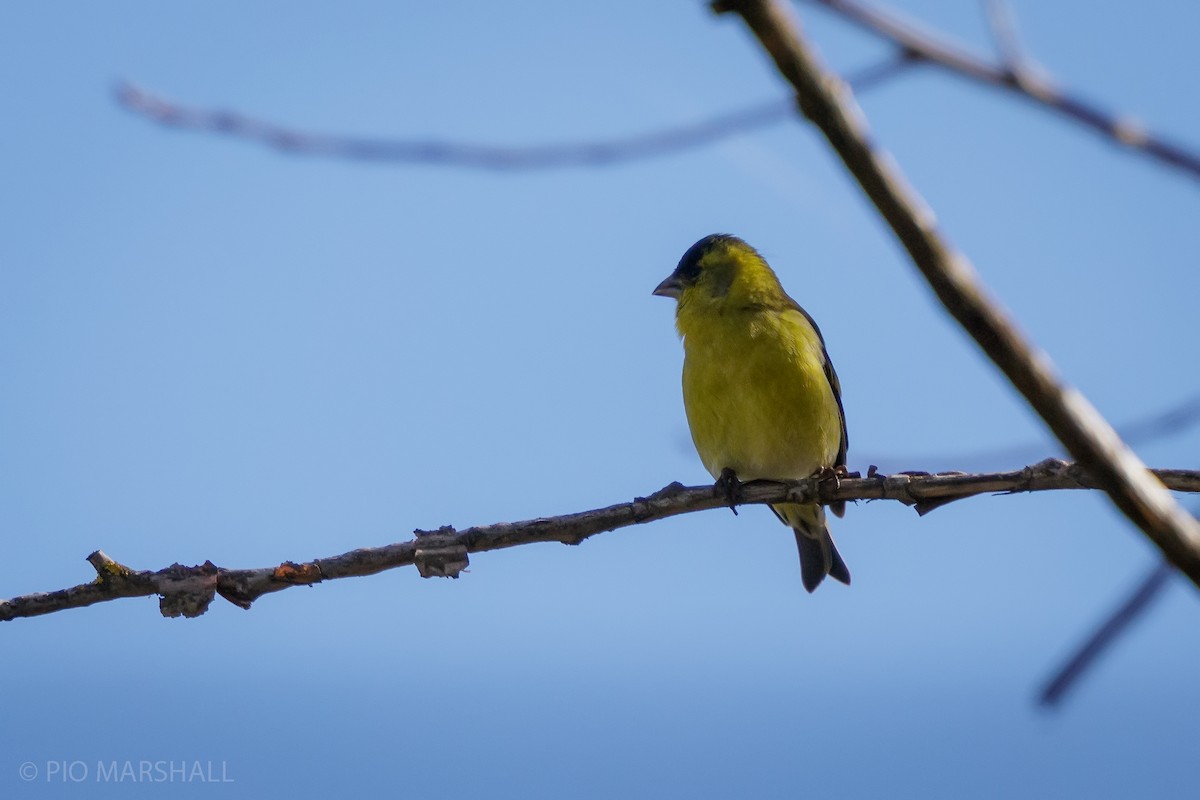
[831, 375]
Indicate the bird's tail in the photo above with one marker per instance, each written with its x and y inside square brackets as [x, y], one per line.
[818, 555]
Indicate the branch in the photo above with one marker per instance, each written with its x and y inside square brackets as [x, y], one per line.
[1003, 25]
[188, 591]
[1143, 430]
[1076, 666]
[1014, 75]
[828, 104]
[1116, 623]
[914, 47]
[430, 151]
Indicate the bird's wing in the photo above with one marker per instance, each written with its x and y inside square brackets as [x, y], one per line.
[834, 384]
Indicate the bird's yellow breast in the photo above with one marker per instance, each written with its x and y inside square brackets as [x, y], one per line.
[756, 394]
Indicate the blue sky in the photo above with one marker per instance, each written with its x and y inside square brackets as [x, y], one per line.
[215, 351]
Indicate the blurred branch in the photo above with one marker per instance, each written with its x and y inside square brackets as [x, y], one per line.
[1145, 430]
[1013, 74]
[187, 591]
[433, 151]
[1117, 622]
[828, 104]
[1003, 25]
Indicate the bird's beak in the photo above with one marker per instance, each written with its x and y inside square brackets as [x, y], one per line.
[671, 287]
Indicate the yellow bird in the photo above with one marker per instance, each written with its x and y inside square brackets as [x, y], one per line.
[761, 395]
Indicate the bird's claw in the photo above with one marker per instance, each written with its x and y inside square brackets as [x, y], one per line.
[727, 485]
[832, 475]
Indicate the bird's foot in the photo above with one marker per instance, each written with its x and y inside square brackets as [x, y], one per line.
[832, 475]
[728, 485]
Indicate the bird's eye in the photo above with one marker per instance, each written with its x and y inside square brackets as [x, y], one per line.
[689, 271]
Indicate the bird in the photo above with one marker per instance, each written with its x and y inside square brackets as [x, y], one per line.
[762, 398]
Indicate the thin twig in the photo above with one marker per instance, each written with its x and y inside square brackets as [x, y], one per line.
[1101, 640]
[1003, 25]
[1027, 83]
[432, 151]
[187, 591]
[600, 153]
[1150, 428]
[869, 77]
[914, 47]
[827, 102]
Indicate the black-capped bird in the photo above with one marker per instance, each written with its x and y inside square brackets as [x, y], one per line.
[761, 395]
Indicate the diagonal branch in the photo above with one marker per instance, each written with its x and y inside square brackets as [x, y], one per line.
[1115, 624]
[1015, 76]
[188, 591]
[1003, 25]
[828, 104]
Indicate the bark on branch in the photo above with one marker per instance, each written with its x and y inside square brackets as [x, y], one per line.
[188, 591]
[828, 104]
